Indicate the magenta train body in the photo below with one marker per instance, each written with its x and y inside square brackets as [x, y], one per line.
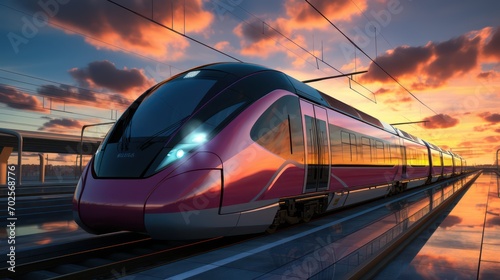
[235, 148]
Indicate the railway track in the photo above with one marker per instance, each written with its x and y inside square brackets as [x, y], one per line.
[115, 260]
[117, 255]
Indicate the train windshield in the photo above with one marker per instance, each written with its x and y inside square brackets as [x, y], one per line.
[149, 128]
[162, 112]
[176, 117]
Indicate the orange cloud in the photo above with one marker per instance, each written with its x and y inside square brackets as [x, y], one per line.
[433, 64]
[223, 45]
[487, 75]
[492, 47]
[261, 39]
[100, 84]
[492, 139]
[440, 121]
[61, 125]
[436, 63]
[253, 41]
[302, 16]
[104, 75]
[19, 100]
[489, 117]
[114, 28]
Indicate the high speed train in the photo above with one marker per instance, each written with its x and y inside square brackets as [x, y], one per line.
[236, 148]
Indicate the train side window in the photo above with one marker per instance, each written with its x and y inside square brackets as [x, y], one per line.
[379, 152]
[395, 152]
[349, 152]
[279, 129]
[366, 150]
[335, 144]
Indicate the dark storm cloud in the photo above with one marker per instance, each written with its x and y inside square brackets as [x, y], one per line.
[402, 61]
[113, 85]
[455, 56]
[104, 74]
[257, 30]
[60, 124]
[489, 117]
[486, 75]
[492, 48]
[434, 63]
[119, 99]
[19, 100]
[440, 121]
[67, 92]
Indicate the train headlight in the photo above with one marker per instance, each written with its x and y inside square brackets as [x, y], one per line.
[179, 153]
[192, 141]
[199, 138]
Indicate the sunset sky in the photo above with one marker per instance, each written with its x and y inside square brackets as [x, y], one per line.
[66, 63]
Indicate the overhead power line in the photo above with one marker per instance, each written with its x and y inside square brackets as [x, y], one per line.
[93, 38]
[371, 59]
[304, 49]
[173, 30]
[333, 77]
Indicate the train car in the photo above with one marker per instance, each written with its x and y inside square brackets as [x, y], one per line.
[457, 163]
[447, 164]
[236, 148]
[416, 162]
[436, 160]
[365, 154]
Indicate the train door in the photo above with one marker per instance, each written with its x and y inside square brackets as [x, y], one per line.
[404, 161]
[316, 136]
[441, 156]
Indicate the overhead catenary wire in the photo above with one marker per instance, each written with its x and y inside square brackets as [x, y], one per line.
[69, 99]
[365, 16]
[371, 59]
[53, 82]
[317, 59]
[175, 31]
[264, 23]
[70, 30]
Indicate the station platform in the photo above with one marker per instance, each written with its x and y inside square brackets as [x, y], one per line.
[465, 245]
[329, 248]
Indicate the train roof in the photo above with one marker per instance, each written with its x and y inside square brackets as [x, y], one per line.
[303, 90]
[235, 68]
[409, 136]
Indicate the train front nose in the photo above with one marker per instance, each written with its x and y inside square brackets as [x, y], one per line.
[108, 205]
[164, 206]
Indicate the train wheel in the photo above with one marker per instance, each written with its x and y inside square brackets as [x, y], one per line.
[308, 212]
[307, 217]
[272, 228]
